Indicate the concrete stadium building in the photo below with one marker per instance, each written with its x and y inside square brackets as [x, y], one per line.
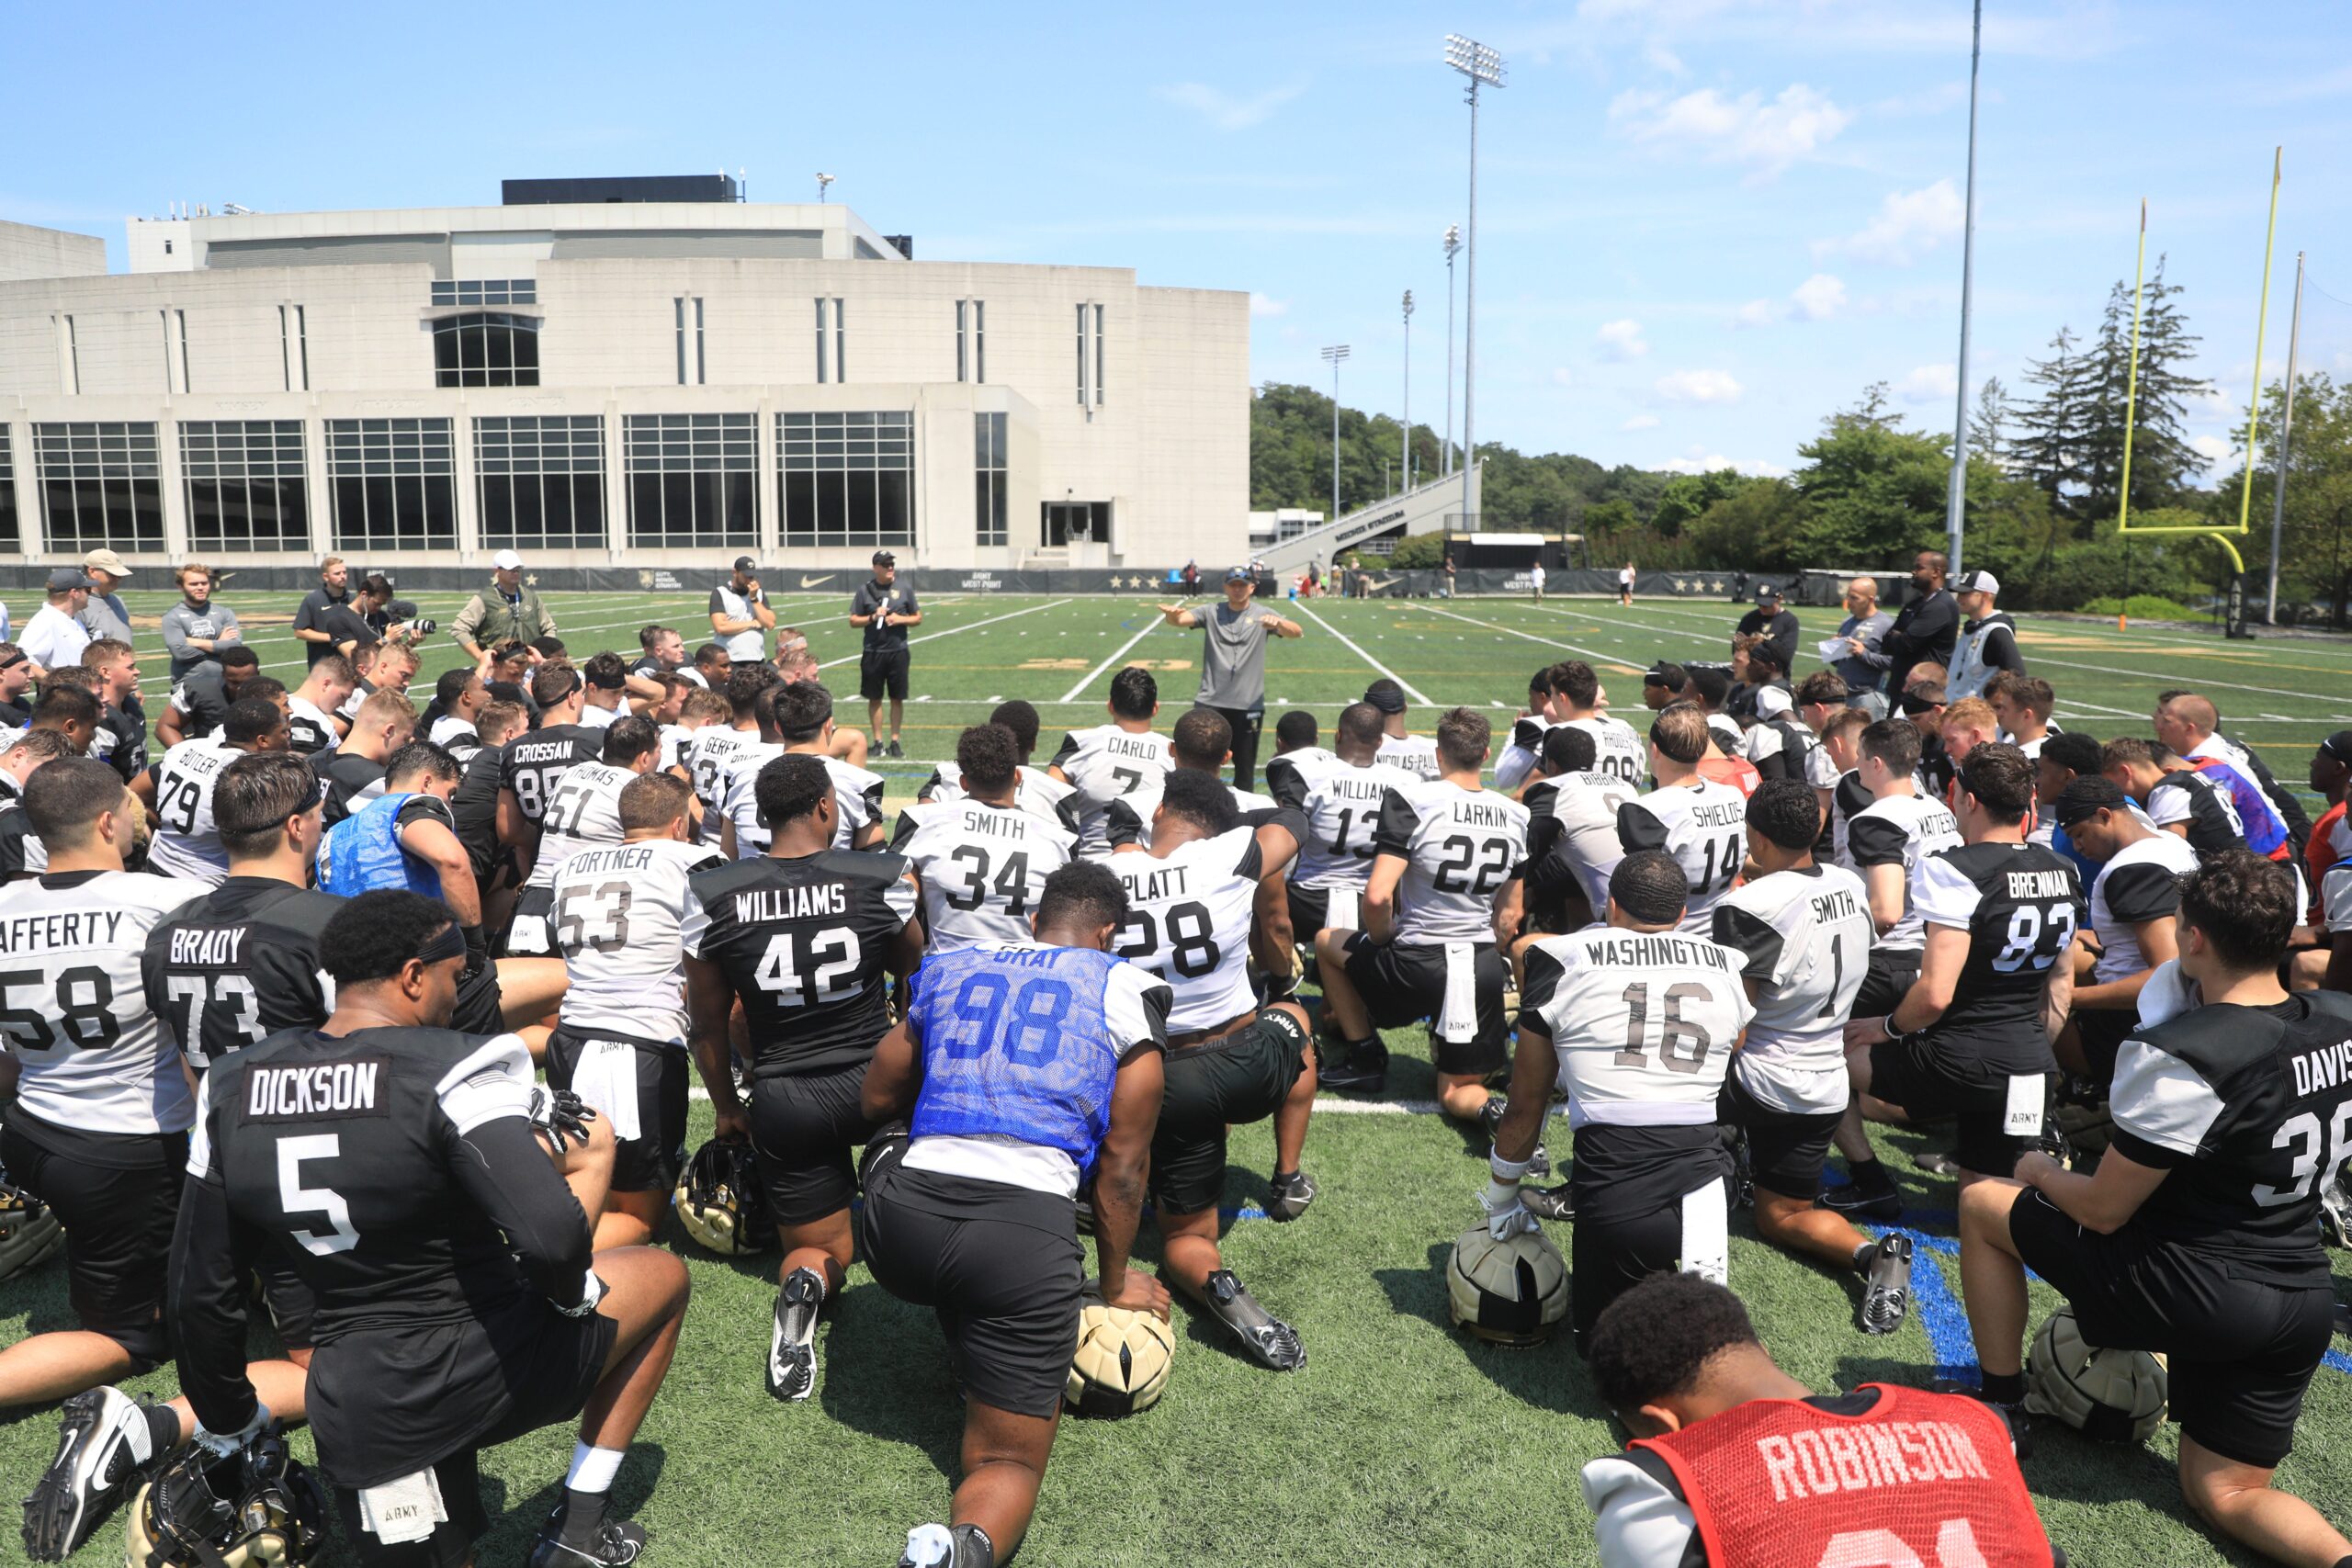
[630, 375]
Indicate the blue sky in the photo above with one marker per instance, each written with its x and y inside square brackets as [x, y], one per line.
[1702, 223]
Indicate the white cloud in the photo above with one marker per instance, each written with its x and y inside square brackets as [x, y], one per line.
[1699, 387]
[1641, 421]
[1266, 305]
[1622, 341]
[1715, 462]
[1767, 137]
[1908, 224]
[1224, 110]
[1756, 313]
[1661, 58]
[1562, 376]
[1929, 384]
[2216, 450]
[1819, 297]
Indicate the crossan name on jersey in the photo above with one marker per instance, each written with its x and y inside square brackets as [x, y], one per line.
[1658, 950]
[2329, 1067]
[88, 928]
[2041, 884]
[1820, 1460]
[295, 1094]
[211, 947]
[531, 751]
[791, 903]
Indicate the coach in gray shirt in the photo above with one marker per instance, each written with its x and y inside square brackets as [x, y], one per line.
[1233, 662]
[1861, 664]
[106, 616]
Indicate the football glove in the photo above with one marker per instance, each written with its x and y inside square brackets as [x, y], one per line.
[560, 1114]
[220, 1445]
[1507, 1214]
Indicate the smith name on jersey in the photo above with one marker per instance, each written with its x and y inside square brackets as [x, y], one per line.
[982, 867]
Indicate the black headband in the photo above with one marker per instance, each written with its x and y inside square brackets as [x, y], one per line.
[448, 943]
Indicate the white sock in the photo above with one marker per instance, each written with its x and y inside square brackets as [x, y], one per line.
[928, 1546]
[592, 1469]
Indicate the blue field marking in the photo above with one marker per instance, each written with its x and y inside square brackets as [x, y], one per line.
[1939, 1308]
[2338, 1360]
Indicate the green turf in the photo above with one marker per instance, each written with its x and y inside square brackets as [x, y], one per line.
[1399, 1443]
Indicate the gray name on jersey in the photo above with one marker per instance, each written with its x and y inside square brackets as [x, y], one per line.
[30, 934]
[293, 1094]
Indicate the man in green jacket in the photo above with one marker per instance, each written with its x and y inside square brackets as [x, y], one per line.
[510, 611]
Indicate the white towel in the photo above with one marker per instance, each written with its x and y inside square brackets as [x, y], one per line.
[605, 1078]
[1457, 1016]
[1706, 1234]
[1344, 913]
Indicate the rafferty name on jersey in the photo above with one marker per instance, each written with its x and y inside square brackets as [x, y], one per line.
[209, 947]
[328, 1089]
[63, 928]
[2330, 1067]
[2041, 884]
[795, 903]
[1647, 951]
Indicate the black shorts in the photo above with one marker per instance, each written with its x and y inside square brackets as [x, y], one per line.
[531, 933]
[530, 1367]
[1242, 1079]
[1786, 1149]
[289, 1302]
[999, 1265]
[2101, 1032]
[1405, 985]
[803, 1129]
[117, 1216]
[1905, 1073]
[2239, 1352]
[1606, 1259]
[1309, 907]
[1889, 975]
[480, 1008]
[882, 672]
[650, 1161]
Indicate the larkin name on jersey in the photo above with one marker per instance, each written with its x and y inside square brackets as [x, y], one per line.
[1459, 847]
[982, 867]
[1104, 763]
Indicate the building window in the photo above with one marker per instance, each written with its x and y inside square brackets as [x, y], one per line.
[971, 340]
[987, 478]
[100, 485]
[69, 355]
[1064, 520]
[692, 478]
[10, 535]
[848, 478]
[486, 291]
[294, 348]
[247, 486]
[489, 349]
[832, 344]
[393, 483]
[542, 481]
[690, 355]
[1089, 356]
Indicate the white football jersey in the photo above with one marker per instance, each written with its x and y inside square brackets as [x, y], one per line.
[584, 811]
[1188, 924]
[1703, 825]
[1806, 937]
[1517, 761]
[616, 914]
[708, 754]
[185, 842]
[1034, 790]
[1783, 748]
[1459, 847]
[1101, 764]
[1129, 821]
[1585, 806]
[983, 868]
[1644, 1024]
[1342, 803]
[857, 798]
[1901, 829]
[2141, 883]
[1726, 732]
[1616, 749]
[74, 1001]
[1417, 754]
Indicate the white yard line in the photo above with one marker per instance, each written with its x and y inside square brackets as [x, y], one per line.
[1360, 653]
[1325, 1105]
[952, 631]
[1149, 627]
[1617, 658]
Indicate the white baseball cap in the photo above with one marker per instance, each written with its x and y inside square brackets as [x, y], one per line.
[507, 561]
[1978, 582]
[1771, 700]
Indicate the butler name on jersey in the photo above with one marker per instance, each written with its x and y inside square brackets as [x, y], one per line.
[982, 867]
[187, 843]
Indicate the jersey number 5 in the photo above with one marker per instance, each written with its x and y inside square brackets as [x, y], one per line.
[293, 1198]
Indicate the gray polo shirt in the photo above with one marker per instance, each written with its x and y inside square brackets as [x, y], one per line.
[104, 616]
[1861, 672]
[183, 621]
[1233, 656]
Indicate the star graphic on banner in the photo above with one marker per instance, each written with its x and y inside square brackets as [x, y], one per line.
[1116, 583]
[1682, 585]
[532, 580]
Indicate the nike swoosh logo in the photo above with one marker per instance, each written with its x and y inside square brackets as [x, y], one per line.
[1381, 583]
[808, 582]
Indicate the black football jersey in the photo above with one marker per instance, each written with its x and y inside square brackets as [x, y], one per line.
[532, 762]
[2185, 796]
[21, 851]
[239, 965]
[475, 807]
[803, 943]
[2021, 905]
[352, 781]
[2250, 1108]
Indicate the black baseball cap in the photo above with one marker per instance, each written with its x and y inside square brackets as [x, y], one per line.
[745, 563]
[883, 557]
[2338, 745]
[1768, 592]
[1237, 574]
[1673, 677]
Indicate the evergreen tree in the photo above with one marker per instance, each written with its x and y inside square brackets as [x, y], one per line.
[2047, 447]
[2162, 460]
[1991, 424]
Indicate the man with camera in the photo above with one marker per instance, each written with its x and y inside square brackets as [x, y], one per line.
[510, 611]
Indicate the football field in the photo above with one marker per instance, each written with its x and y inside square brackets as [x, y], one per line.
[1400, 1442]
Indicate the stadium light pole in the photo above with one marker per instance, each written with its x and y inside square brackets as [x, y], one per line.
[1446, 447]
[1405, 460]
[822, 181]
[1956, 503]
[1483, 67]
[1332, 356]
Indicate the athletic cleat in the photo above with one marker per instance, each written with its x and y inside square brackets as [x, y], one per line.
[2019, 1419]
[1290, 1195]
[1856, 1204]
[792, 1348]
[2342, 1319]
[1886, 1294]
[1549, 1202]
[103, 1447]
[615, 1542]
[1363, 1070]
[1270, 1341]
[1937, 1163]
[1490, 1117]
[2335, 1209]
[892, 749]
[1743, 1169]
[936, 1546]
